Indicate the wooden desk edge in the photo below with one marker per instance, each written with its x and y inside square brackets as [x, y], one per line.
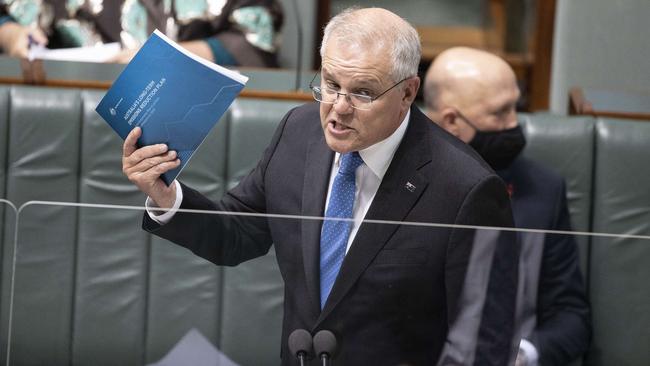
[578, 105]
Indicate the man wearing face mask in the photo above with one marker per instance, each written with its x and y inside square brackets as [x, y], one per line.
[473, 94]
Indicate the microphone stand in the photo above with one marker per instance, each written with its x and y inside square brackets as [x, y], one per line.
[325, 357]
[301, 357]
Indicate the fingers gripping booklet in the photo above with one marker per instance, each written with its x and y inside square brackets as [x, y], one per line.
[175, 96]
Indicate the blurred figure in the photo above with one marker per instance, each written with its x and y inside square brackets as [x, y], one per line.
[15, 39]
[473, 94]
[232, 32]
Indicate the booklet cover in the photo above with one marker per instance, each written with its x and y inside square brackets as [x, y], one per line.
[175, 96]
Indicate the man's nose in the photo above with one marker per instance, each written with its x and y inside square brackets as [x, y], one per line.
[511, 119]
[342, 104]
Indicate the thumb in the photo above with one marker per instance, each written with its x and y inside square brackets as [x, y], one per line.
[130, 142]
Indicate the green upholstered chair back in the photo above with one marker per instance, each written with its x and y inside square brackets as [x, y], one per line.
[565, 145]
[620, 267]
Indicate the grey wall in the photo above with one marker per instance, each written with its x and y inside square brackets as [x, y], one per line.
[600, 43]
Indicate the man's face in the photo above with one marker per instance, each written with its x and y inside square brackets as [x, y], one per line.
[495, 111]
[348, 69]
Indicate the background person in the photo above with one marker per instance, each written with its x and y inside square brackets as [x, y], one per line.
[473, 94]
[233, 32]
[390, 293]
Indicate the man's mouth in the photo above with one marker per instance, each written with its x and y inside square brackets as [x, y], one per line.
[337, 126]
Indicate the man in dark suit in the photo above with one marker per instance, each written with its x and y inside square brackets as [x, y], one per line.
[473, 94]
[389, 292]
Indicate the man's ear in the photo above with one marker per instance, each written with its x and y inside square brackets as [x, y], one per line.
[449, 120]
[411, 90]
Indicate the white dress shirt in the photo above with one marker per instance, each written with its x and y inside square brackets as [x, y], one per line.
[369, 175]
[376, 159]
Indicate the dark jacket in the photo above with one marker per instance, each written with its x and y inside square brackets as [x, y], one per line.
[562, 324]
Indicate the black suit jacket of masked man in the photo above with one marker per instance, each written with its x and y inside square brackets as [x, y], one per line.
[399, 289]
[555, 313]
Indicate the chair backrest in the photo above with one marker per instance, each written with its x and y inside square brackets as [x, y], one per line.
[4, 117]
[253, 292]
[43, 144]
[566, 146]
[620, 269]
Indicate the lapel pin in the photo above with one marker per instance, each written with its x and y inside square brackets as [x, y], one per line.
[410, 187]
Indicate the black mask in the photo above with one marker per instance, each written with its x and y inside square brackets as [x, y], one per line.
[499, 148]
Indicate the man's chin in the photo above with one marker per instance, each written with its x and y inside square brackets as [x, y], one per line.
[339, 145]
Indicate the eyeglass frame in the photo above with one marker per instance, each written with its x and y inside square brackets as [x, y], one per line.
[471, 123]
[467, 120]
[347, 95]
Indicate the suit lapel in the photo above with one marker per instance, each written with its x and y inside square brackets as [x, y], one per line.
[318, 165]
[398, 192]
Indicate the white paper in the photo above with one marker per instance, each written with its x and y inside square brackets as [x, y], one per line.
[98, 53]
[230, 73]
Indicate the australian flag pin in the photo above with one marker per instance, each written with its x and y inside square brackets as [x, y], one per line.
[410, 187]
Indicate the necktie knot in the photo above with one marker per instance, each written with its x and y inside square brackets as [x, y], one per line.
[350, 162]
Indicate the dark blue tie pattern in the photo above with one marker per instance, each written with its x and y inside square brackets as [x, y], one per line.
[335, 233]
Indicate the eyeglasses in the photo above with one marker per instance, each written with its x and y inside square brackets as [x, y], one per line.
[357, 101]
[467, 120]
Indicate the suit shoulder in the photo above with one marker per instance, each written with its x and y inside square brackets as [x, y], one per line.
[457, 155]
[450, 161]
[300, 121]
[304, 113]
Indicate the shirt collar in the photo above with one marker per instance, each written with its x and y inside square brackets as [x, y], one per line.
[378, 156]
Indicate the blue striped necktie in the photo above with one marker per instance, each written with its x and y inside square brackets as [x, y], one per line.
[335, 233]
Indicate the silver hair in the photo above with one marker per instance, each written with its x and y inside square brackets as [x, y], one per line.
[404, 41]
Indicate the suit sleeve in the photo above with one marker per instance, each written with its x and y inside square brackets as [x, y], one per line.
[563, 320]
[481, 280]
[225, 237]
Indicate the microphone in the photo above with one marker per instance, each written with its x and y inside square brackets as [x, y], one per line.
[325, 345]
[300, 345]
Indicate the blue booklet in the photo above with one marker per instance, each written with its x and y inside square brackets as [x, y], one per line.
[175, 96]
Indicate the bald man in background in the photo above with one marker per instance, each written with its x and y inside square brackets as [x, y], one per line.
[472, 94]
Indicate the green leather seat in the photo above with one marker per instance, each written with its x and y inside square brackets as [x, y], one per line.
[44, 136]
[620, 267]
[565, 145]
[4, 116]
[253, 292]
[185, 291]
[7, 218]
